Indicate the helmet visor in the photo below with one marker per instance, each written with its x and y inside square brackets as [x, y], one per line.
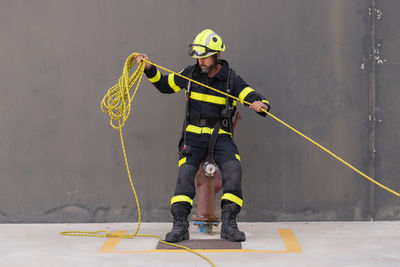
[196, 51]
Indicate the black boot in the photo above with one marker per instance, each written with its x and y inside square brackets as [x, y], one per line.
[229, 229]
[180, 228]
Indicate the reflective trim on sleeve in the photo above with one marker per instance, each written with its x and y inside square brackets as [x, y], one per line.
[233, 198]
[181, 198]
[237, 157]
[234, 103]
[182, 161]
[204, 130]
[244, 93]
[265, 101]
[208, 98]
[171, 83]
[156, 77]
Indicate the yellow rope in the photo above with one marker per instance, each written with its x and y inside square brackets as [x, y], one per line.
[288, 126]
[117, 103]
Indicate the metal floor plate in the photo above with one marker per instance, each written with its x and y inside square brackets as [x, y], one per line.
[203, 244]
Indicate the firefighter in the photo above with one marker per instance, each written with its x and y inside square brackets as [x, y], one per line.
[207, 130]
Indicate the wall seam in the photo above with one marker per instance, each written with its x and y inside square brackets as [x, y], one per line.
[371, 111]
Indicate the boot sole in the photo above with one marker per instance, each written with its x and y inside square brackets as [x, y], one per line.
[176, 240]
[226, 237]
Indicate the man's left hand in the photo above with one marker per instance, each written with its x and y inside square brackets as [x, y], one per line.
[257, 106]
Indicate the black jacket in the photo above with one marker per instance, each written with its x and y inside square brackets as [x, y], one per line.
[205, 103]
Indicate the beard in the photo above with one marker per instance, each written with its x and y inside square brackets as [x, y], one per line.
[207, 69]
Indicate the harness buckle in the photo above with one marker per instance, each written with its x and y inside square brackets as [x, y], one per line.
[225, 123]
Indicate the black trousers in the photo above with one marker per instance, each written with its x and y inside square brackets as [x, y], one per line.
[226, 156]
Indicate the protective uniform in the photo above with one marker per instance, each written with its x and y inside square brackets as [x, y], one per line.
[205, 108]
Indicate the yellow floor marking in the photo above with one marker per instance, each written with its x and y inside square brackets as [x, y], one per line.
[288, 238]
[111, 243]
[290, 241]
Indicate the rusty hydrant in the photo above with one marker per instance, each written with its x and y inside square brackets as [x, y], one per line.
[207, 188]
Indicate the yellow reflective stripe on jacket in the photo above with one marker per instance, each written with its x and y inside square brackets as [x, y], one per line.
[233, 198]
[182, 161]
[237, 157]
[171, 83]
[156, 77]
[208, 98]
[265, 101]
[244, 93]
[204, 130]
[181, 198]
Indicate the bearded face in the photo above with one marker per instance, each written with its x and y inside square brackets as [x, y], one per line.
[207, 64]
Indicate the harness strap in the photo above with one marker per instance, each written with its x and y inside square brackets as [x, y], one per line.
[217, 124]
[229, 110]
[204, 122]
[212, 141]
[187, 150]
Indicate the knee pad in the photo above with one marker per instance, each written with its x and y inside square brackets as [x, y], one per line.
[232, 169]
[232, 177]
[185, 182]
[186, 170]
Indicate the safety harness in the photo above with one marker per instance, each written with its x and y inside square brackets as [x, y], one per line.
[225, 122]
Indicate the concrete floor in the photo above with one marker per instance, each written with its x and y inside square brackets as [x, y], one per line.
[268, 244]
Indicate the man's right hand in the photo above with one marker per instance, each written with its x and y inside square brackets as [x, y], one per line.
[139, 59]
[258, 106]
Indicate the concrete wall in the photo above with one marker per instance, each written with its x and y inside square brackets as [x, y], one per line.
[326, 66]
[387, 110]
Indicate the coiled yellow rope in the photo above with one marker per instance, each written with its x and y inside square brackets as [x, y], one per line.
[117, 103]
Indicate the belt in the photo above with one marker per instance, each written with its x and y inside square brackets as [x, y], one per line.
[209, 122]
[204, 122]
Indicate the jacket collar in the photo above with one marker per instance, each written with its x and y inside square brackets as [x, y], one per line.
[223, 72]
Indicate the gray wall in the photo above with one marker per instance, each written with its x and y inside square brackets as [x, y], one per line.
[325, 65]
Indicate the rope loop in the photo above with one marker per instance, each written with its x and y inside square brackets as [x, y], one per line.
[117, 102]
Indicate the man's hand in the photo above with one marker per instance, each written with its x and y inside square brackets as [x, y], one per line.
[257, 106]
[139, 59]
